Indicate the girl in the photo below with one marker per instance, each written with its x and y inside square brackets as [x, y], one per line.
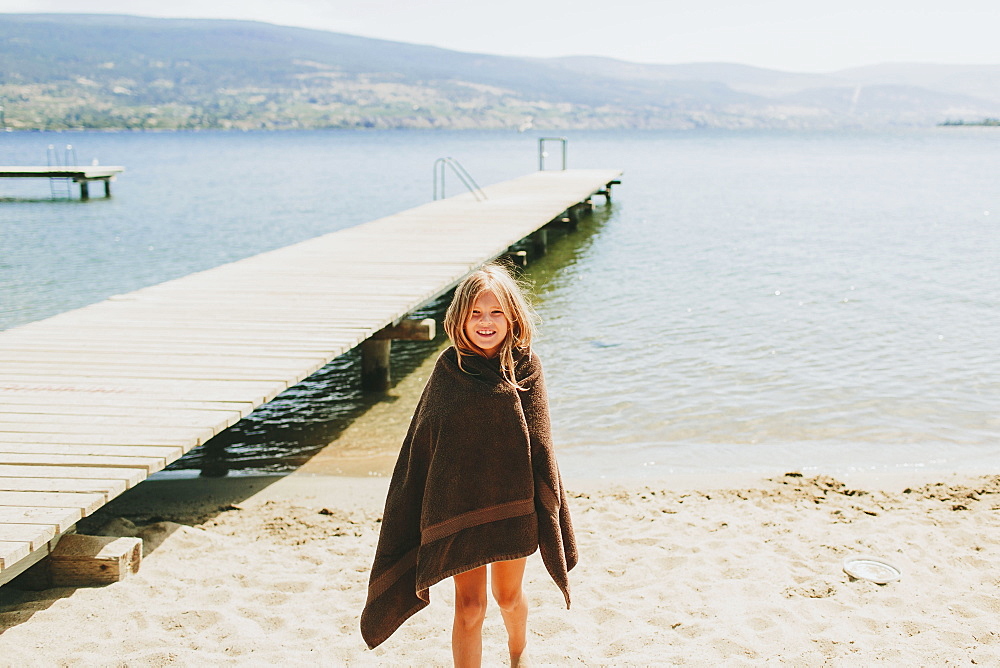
[476, 482]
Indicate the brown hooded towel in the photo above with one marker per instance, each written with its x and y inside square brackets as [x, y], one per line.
[476, 482]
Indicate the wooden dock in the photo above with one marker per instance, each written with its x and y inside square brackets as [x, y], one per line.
[81, 175]
[94, 400]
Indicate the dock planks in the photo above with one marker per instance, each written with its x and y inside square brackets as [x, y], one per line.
[94, 400]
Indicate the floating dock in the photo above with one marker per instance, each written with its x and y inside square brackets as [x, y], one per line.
[81, 175]
[93, 401]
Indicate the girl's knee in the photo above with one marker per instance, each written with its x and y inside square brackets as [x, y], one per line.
[470, 611]
[508, 598]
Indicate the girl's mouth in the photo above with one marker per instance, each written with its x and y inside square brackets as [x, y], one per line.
[486, 332]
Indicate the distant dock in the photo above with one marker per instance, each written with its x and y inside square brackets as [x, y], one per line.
[82, 175]
[94, 400]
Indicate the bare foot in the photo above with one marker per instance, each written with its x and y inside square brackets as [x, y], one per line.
[522, 661]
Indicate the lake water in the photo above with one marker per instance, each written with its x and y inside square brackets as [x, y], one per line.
[749, 302]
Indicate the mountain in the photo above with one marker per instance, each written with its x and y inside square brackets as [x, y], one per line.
[975, 81]
[899, 93]
[744, 78]
[101, 71]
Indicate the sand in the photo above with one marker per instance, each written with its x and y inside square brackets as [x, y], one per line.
[273, 571]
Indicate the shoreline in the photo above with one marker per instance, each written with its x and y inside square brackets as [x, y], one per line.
[687, 570]
[311, 481]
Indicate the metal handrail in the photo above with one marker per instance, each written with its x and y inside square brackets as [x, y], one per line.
[542, 154]
[463, 175]
[68, 158]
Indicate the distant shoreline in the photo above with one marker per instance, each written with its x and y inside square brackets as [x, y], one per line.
[986, 122]
[513, 131]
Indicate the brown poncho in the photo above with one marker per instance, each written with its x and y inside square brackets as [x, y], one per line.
[476, 482]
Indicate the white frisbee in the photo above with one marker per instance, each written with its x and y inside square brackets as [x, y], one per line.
[873, 569]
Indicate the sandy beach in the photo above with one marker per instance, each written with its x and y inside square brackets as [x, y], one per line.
[698, 572]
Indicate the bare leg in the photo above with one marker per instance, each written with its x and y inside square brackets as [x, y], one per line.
[470, 611]
[507, 577]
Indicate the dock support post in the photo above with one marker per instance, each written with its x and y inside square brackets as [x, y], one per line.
[540, 241]
[107, 188]
[607, 190]
[582, 209]
[376, 372]
[577, 212]
[84, 190]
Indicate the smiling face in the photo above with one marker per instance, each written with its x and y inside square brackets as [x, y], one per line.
[487, 324]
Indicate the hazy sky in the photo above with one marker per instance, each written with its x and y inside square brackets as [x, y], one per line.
[794, 35]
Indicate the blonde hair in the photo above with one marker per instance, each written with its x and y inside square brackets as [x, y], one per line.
[521, 317]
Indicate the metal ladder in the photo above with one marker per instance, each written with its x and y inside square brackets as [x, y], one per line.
[463, 175]
[59, 185]
[542, 153]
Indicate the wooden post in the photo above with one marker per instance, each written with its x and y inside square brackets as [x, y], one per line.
[607, 190]
[107, 187]
[84, 190]
[577, 211]
[85, 561]
[571, 219]
[540, 241]
[93, 560]
[376, 372]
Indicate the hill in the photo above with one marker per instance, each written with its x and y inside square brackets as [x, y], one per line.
[100, 71]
